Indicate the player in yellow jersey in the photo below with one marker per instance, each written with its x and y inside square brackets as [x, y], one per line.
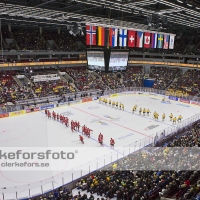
[135, 106]
[174, 120]
[110, 102]
[163, 116]
[113, 104]
[156, 116]
[116, 104]
[144, 111]
[171, 117]
[140, 111]
[122, 106]
[133, 109]
[148, 111]
[179, 118]
[106, 101]
[100, 99]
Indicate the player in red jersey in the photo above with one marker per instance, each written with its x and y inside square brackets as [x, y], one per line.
[87, 132]
[54, 115]
[58, 117]
[83, 129]
[78, 125]
[100, 135]
[100, 139]
[81, 139]
[75, 125]
[46, 112]
[61, 118]
[66, 121]
[112, 143]
[49, 114]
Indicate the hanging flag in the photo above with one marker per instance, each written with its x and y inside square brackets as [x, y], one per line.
[90, 35]
[131, 38]
[154, 40]
[139, 39]
[160, 41]
[101, 36]
[147, 40]
[113, 37]
[171, 42]
[166, 42]
[122, 38]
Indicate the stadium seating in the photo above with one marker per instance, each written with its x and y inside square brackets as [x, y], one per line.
[10, 91]
[111, 80]
[29, 40]
[188, 83]
[51, 87]
[163, 76]
[133, 77]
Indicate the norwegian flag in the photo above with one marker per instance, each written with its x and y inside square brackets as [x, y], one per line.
[90, 35]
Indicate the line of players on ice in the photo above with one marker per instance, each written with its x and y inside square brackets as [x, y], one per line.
[75, 126]
[144, 110]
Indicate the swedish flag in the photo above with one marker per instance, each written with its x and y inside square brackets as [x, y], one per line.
[160, 41]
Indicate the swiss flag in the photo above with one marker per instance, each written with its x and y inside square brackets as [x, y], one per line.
[131, 38]
[147, 40]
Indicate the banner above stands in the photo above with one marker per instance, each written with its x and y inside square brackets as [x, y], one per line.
[49, 77]
[128, 37]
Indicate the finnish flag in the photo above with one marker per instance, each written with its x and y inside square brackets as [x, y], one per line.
[122, 38]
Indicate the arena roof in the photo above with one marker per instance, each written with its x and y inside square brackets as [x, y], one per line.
[162, 15]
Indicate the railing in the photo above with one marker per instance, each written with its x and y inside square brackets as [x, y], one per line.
[43, 186]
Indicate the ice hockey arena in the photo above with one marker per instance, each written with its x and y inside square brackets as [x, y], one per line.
[99, 100]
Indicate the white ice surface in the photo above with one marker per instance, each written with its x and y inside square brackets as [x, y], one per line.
[35, 130]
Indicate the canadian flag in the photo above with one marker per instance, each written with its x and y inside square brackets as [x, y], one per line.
[131, 38]
[147, 40]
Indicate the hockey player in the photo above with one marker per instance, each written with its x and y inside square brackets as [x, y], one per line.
[49, 114]
[81, 139]
[113, 104]
[140, 111]
[58, 117]
[100, 135]
[122, 106]
[144, 111]
[163, 116]
[83, 129]
[148, 111]
[110, 102]
[66, 122]
[179, 118]
[116, 104]
[78, 125]
[112, 143]
[174, 120]
[54, 115]
[100, 139]
[171, 116]
[156, 116]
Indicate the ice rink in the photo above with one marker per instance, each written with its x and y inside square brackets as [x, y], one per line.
[35, 130]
